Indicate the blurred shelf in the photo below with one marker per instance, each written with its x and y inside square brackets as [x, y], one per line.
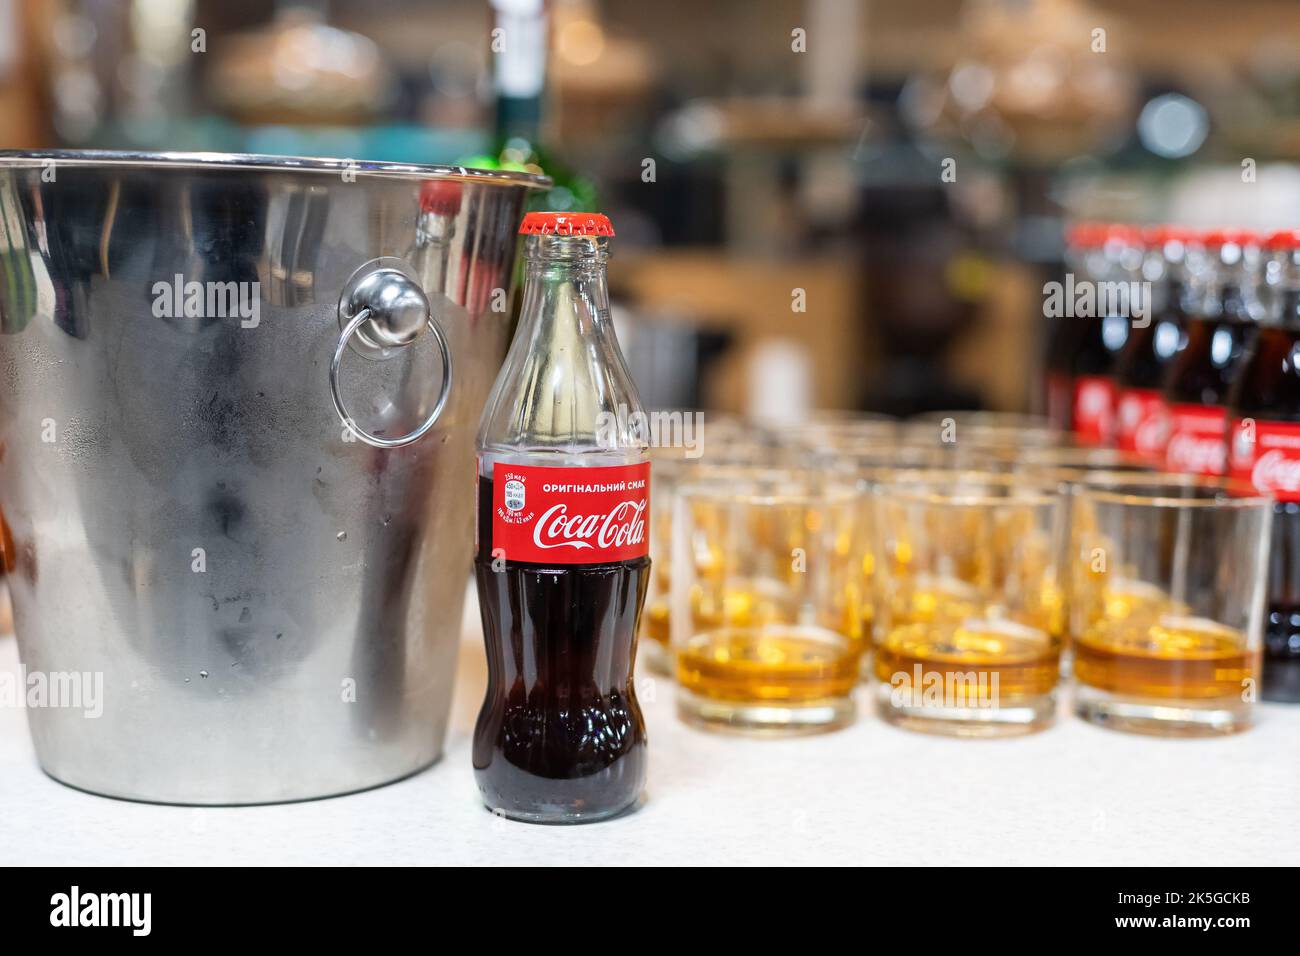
[396, 143]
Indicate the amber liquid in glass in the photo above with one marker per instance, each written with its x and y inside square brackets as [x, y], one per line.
[1010, 661]
[777, 663]
[654, 621]
[941, 628]
[1170, 658]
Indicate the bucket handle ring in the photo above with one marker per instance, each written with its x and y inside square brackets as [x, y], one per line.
[395, 324]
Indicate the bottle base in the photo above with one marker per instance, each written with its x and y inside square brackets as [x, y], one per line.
[1162, 718]
[514, 793]
[764, 719]
[1008, 720]
[564, 816]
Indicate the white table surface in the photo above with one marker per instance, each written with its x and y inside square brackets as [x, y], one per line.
[1075, 794]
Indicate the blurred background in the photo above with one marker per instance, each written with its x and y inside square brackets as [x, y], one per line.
[819, 203]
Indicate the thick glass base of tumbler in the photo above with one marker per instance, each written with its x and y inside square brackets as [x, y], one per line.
[1025, 716]
[765, 719]
[656, 657]
[867, 667]
[1163, 718]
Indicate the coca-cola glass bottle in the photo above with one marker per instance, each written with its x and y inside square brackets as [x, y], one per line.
[1220, 322]
[562, 559]
[1142, 423]
[1264, 409]
[1094, 330]
[1081, 242]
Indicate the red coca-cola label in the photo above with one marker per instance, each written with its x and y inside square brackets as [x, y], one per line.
[1142, 422]
[1058, 400]
[1267, 454]
[1094, 410]
[548, 515]
[1197, 439]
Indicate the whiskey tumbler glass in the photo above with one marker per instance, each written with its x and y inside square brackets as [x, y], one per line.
[969, 613]
[767, 590]
[1168, 579]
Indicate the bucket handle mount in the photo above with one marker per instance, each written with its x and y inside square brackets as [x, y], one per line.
[386, 310]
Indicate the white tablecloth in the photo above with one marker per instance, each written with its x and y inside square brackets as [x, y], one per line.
[867, 794]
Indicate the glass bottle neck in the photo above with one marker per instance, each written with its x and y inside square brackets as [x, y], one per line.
[566, 249]
[1283, 281]
[1228, 294]
[564, 270]
[565, 391]
[1289, 311]
[564, 280]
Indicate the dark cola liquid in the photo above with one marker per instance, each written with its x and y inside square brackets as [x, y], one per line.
[1212, 353]
[1081, 347]
[560, 738]
[1150, 348]
[1269, 388]
[1059, 378]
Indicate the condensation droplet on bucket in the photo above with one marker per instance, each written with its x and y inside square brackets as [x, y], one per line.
[342, 536]
[203, 673]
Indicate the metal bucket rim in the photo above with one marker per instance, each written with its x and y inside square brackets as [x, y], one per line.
[254, 162]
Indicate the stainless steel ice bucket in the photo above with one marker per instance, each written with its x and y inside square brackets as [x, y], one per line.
[238, 398]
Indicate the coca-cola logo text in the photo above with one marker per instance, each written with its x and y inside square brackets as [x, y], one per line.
[1198, 440]
[1149, 437]
[1143, 423]
[1195, 454]
[621, 527]
[1275, 471]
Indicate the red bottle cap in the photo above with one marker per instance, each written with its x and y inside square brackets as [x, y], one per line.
[1286, 239]
[1222, 237]
[1122, 232]
[1159, 235]
[440, 196]
[566, 224]
[1085, 235]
